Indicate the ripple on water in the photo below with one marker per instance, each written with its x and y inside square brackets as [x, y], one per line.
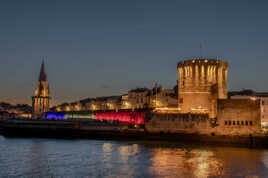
[100, 158]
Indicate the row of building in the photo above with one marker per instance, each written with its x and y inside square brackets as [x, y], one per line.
[139, 98]
[8, 110]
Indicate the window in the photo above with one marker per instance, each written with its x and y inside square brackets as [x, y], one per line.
[246, 122]
[242, 122]
[233, 122]
[230, 122]
[250, 122]
[237, 123]
[225, 122]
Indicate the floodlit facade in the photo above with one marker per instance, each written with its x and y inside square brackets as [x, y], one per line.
[137, 98]
[201, 82]
[262, 97]
[41, 98]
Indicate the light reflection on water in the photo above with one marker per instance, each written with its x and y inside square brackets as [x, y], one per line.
[99, 158]
[186, 163]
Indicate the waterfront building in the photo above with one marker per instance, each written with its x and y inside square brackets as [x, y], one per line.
[262, 97]
[92, 105]
[15, 111]
[113, 103]
[41, 98]
[125, 104]
[163, 99]
[141, 98]
[137, 98]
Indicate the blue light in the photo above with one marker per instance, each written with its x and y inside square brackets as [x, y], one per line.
[52, 115]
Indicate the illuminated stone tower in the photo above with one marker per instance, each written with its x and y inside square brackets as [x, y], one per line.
[41, 98]
[201, 83]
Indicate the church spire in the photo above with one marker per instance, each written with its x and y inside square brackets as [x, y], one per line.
[41, 98]
[43, 76]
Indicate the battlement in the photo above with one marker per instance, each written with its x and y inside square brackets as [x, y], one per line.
[193, 62]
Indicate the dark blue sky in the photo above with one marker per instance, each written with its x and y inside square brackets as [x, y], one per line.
[96, 48]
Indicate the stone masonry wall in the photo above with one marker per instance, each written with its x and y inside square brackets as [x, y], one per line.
[177, 123]
[239, 117]
[235, 117]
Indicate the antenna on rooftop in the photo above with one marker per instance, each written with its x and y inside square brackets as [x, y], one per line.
[201, 50]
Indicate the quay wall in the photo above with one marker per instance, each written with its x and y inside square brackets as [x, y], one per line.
[178, 123]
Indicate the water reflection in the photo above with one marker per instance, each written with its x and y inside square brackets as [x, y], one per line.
[128, 151]
[91, 158]
[186, 163]
[209, 162]
[37, 160]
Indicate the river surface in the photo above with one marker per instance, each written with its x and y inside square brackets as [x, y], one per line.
[33, 157]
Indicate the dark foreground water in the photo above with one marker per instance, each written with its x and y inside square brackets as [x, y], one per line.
[21, 157]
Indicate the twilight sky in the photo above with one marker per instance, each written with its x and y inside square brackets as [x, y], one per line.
[106, 47]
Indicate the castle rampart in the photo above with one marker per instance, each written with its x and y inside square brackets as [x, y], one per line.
[178, 123]
[239, 117]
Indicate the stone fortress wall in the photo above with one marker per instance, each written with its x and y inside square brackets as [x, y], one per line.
[204, 107]
[178, 123]
[239, 117]
[235, 117]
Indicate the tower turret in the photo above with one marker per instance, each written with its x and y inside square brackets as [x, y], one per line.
[201, 83]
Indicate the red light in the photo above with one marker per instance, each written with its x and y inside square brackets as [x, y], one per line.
[122, 117]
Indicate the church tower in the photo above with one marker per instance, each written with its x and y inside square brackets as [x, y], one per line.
[41, 98]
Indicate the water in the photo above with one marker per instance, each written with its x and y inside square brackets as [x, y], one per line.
[21, 157]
